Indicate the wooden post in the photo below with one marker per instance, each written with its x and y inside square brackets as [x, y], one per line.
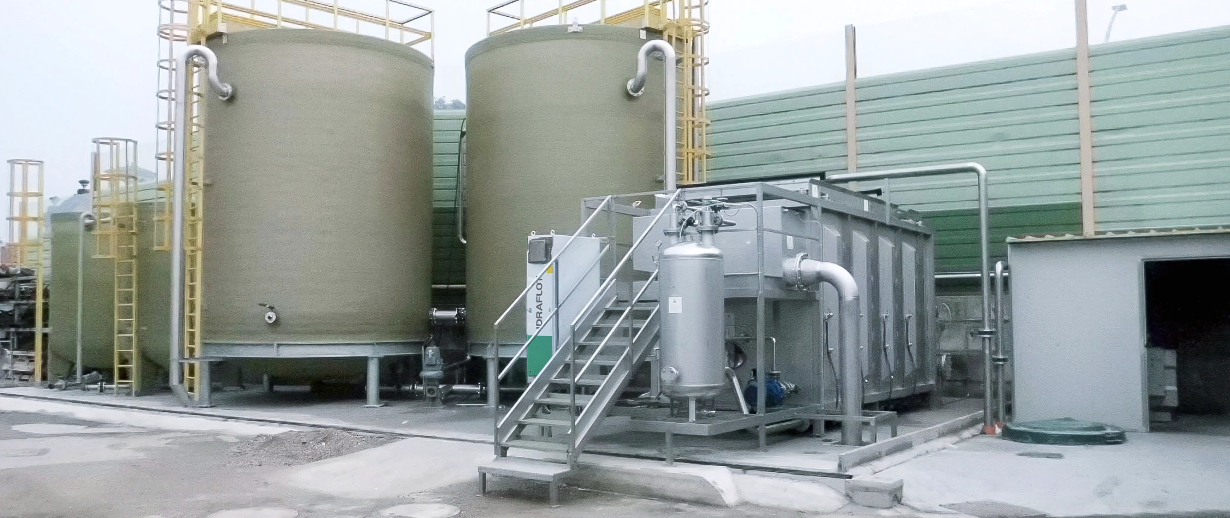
[851, 102]
[1084, 113]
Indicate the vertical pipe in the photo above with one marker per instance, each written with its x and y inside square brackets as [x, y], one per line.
[761, 374]
[1000, 358]
[636, 87]
[182, 133]
[81, 224]
[986, 333]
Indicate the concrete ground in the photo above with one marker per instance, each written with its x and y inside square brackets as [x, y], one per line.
[53, 465]
[1185, 469]
[1162, 473]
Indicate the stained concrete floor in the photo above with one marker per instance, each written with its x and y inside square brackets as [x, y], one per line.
[57, 466]
[1169, 473]
[467, 420]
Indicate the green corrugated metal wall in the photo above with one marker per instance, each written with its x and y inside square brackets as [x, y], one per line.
[1161, 112]
[448, 254]
[1162, 152]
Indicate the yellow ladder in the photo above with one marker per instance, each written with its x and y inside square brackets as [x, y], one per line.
[115, 230]
[686, 31]
[26, 211]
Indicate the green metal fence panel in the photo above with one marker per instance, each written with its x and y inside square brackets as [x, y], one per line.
[448, 254]
[1161, 110]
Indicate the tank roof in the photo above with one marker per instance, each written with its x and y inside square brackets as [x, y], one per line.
[558, 32]
[330, 37]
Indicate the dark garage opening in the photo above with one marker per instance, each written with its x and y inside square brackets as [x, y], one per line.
[1188, 311]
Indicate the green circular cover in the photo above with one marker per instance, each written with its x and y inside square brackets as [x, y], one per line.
[1065, 432]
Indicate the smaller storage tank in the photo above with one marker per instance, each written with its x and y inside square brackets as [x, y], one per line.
[693, 346]
[99, 291]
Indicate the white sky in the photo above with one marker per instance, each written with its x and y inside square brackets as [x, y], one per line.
[72, 70]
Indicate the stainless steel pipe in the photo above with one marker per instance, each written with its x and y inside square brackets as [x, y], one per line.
[83, 222]
[986, 333]
[182, 122]
[1001, 360]
[801, 271]
[636, 87]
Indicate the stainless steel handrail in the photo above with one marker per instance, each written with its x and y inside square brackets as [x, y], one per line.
[495, 339]
[635, 244]
[615, 326]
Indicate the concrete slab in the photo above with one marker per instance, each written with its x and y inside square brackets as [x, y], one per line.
[1161, 473]
[408, 466]
[728, 470]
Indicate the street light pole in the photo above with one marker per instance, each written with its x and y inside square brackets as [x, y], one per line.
[1117, 9]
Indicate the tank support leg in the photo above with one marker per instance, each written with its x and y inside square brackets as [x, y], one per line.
[205, 397]
[373, 382]
[692, 409]
[267, 383]
[670, 449]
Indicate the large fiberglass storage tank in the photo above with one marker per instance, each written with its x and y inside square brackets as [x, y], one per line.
[549, 122]
[98, 276]
[318, 193]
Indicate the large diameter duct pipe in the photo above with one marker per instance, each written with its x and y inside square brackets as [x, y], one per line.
[182, 122]
[986, 333]
[806, 272]
[636, 87]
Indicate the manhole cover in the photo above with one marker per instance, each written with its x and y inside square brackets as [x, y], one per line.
[990, 509]
[1040, 455]
[422, 511]
[1065, 431]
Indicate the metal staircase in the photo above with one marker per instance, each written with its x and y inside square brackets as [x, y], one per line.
[562, 408]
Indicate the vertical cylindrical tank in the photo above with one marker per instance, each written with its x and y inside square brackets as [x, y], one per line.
[693, 342]
[318, 190]
[153, 287]
[98, 276]
[549, 123]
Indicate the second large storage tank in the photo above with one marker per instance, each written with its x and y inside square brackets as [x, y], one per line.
[549, 123]
[318, 190]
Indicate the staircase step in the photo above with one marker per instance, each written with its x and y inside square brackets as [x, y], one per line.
[621, 341]
[601, 361]
[537, 445]
[586, 381]
[539, 421]
[529, 469]
[563, 399]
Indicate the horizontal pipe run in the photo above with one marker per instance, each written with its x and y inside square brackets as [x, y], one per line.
[984, 225]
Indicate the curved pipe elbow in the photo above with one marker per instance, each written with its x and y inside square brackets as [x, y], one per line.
[636, 85]
[801, 271]
[224, 90]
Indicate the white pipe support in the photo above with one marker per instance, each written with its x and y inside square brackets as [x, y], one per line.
[225, 92]
[636, 87]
